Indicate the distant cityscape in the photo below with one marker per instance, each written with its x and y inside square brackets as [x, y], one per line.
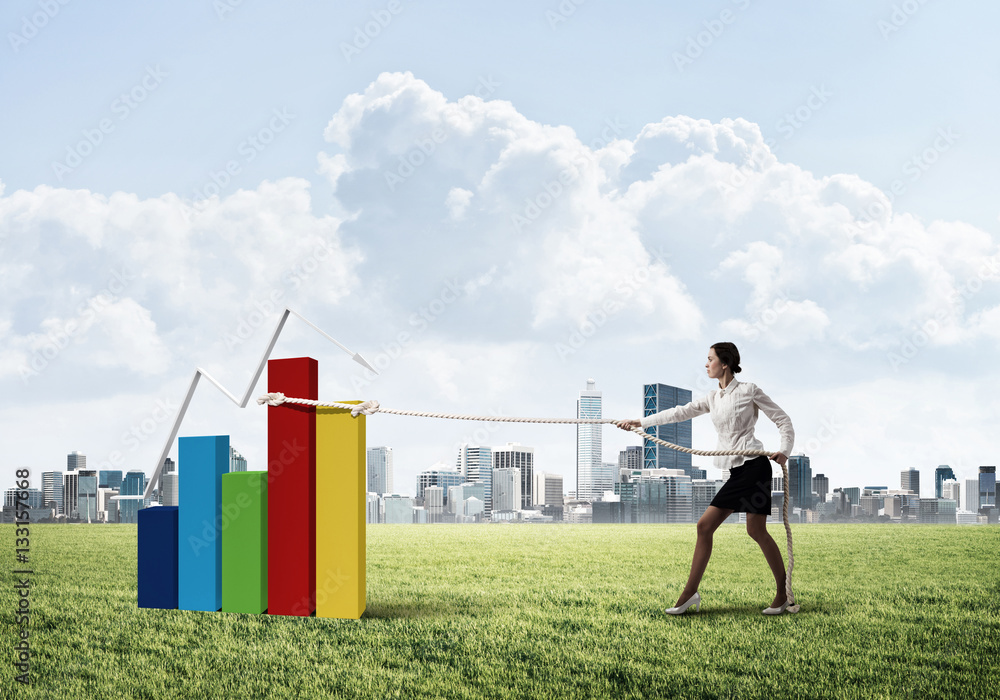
[647, 484]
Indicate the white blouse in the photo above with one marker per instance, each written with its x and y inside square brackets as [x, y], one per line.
[734, 413]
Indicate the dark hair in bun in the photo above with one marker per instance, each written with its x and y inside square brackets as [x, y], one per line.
[729, 356]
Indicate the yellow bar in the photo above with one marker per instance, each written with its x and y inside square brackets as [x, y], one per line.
[340, 513]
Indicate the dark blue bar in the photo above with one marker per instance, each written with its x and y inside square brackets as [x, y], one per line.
[158, 557]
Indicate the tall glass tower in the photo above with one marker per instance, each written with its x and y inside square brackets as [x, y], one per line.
[589, 466]
[800, 482]
[660, 397]
[941, 474]
[380, 470]
[476, 463]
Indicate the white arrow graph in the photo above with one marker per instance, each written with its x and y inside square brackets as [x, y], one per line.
[242, 403]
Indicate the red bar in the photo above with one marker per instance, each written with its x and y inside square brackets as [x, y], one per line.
[291, 487]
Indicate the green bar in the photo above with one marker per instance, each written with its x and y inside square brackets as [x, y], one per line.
[244, 542]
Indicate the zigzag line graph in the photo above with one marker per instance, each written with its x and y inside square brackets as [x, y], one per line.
[241, 402]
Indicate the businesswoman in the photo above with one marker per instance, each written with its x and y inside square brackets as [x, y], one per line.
[734, 410]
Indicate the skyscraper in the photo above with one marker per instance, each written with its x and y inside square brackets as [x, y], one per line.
[660, 397]
[588, 443]
[168, 489]
[70, 493]
[87, 495]
[134, 484]
[379, 464]
[109, 479]
[514, 454]
[630, 457]
[237, 462]
[506, 489]
[951, 490]
[75, 460]
[940, 474]
[439, 475]
[476, 463]
[909, 480]
[821, 485]
[799, 482]
[987, 487]
[972, 495]
[52, 490]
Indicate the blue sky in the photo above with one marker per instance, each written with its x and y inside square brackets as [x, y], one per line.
[726, 175]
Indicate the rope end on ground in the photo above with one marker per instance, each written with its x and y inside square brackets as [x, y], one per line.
[275, 398]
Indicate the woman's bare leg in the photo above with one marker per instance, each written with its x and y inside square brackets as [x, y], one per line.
[757, 529]
[707, 525]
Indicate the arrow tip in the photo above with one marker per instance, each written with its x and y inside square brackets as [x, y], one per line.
[362, 361]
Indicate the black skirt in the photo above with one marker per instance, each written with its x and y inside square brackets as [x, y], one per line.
[748, 489]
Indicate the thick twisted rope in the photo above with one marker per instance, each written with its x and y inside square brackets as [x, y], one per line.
[372, 406]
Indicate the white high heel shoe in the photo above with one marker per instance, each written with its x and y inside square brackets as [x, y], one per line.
[694, 600]
[776, 611]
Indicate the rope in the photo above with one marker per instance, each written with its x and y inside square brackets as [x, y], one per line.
[372, 406]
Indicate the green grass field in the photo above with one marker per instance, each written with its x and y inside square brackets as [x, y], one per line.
[539, 611]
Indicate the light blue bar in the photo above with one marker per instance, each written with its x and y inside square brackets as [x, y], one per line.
[201, 463]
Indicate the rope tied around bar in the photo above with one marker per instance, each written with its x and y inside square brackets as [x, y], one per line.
[371, 406]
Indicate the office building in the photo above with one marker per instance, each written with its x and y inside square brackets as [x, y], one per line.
[76, 460]
[107, 509]
[434, 503]
[134, 484]
[950, 491]
[516, 456]
[398, 509]
[630, 458]
[547, 492]
[987, 488]
[660, 397]
[702, 493]
[52, 491]
[36, 498]
[821, 487]
[379, 469]
[476, 463]
[438, 475]
[909, 480]
[972, 495]
[473, 510]
[237, 462]
[506, 490]
[169, 489]
[936, 511]
[109, 479]
[656, 496]
[70, 493]
[940, 474]
[373, 509]
[87, 495]
[800, 482]
[588, 443]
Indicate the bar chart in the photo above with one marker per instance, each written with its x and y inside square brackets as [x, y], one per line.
[286, 541]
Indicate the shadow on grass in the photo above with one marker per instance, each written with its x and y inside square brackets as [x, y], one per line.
[408, 610]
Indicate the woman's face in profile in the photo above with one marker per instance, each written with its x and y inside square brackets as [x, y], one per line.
[716, 370]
